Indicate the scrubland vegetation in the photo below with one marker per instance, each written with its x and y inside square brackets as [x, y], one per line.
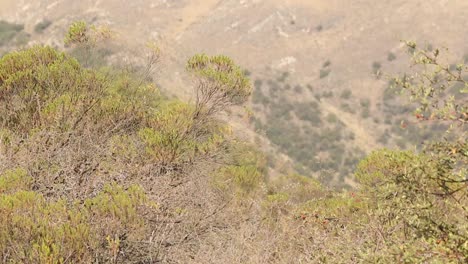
[314, 140]
[98, 166]
[12, 32]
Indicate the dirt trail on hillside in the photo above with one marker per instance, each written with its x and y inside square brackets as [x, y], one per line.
[363, 138]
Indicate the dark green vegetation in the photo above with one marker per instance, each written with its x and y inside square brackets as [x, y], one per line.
[317, 142]
[97, 166]
[12, 32]
[41, 26]
[320, 143]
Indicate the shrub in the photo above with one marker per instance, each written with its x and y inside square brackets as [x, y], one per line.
[32, 85]
[258, 84]
[283, 77]
[414, 191]
[365, 113]
[41, 26]
[324, 73]
[8, 31]
[347, 108]
[327, 94]
[93, 145]
[346, 94]
[298, 89]
[376, 67]
[309, 112]
[221, 83]
[365, 103]
[245, 175]
[36, 229]
[299, 189]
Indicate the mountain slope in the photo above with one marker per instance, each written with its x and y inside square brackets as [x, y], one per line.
[334, 46]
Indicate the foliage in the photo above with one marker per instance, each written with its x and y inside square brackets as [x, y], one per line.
[297, 127]
[220, 83]
[35, 229]
[41, 26]
[438, 97]
[346, 94]
[376, 69]
[324, 73]
[32, 85]
[244, 173]
[97, 166]
[425, 195]
[80, 33]
[429, 86]
[94, 144]
[298, 188]
[8, 31]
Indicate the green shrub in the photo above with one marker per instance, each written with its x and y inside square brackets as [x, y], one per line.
[346, 94]
[221, 83]
[41, 26]
[415, 191]
[327, 94]
[365, 113]
[258, 84]
[283, 77]
[365, 103]
[324, 73]
[376, 68]
[37, 229]
[8, 31]
[391, 56]
[332, 118]
[347, 108]
[298, 89]
[246, 174]
[299, 189]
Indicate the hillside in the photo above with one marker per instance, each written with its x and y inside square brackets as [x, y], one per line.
[271, 38]
[114, 149]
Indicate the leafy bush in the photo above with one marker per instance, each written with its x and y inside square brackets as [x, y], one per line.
[221, 83]
[409, 191]
[37, 229]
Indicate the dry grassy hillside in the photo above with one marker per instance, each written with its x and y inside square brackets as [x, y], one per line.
[335, 47]
[121, 142]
